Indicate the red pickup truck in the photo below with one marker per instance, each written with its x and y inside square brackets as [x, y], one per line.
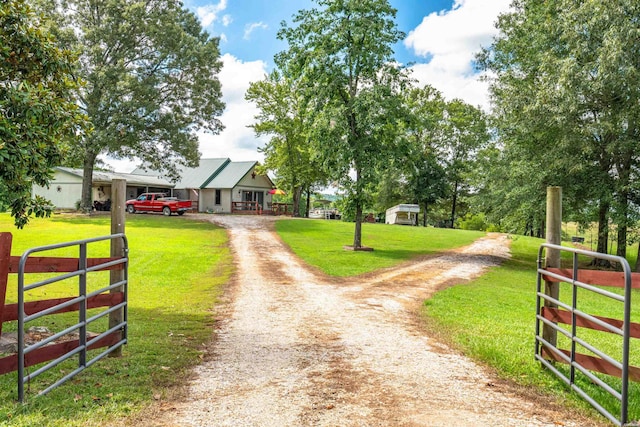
[158, 202]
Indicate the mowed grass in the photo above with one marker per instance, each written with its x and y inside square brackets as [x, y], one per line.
[492, 319]
[177, 269]
[320, 244]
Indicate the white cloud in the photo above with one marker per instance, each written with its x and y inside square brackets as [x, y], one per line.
[209, 13]
[227, 20]
[236, 141]
[451, 39]
[249, 28]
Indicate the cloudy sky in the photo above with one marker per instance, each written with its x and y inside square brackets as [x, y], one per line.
[442, 37]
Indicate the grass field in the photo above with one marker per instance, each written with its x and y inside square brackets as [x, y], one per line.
[176, 271]
[320, 243]
[178, 266]
[492, 319]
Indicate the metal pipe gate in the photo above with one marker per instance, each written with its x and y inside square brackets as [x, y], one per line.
[113, 338]
[551, 311]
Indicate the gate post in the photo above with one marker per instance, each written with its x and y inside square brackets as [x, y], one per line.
[118, 201]
[552, 256]
[5, 258]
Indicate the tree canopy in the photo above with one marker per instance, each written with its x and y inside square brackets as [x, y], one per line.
[151, 77]
[343, 52]
[285, 115]
[566, 101]
[38, 113]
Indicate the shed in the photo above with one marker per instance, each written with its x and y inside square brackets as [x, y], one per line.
[404, 214]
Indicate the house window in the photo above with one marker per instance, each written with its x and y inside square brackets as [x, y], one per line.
[218, 197]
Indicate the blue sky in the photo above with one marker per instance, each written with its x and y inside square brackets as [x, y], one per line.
[250, 30]
[442, 39]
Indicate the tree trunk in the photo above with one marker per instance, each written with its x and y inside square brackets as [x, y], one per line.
[637, 266]
[453, 204]
[424, 217]
[297, 193]
[308, 207]
[542, 229]
[603, 228]
[622, 241]
[603, 234]
[357, 235]
[621, 250]
[86, 202]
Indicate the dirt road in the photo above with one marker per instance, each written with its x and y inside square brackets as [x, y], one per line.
[295, 348]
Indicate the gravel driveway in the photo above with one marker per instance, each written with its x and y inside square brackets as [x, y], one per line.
[293, 347]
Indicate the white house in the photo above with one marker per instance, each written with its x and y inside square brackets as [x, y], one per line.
[222, 186]
[65, 189]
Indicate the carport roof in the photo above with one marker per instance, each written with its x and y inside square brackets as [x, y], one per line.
[104, 177]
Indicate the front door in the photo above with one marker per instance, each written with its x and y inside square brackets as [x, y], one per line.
[253, 196]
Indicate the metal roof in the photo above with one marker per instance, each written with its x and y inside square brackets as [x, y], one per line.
[192, 177]
[107, 177]
[230, 175]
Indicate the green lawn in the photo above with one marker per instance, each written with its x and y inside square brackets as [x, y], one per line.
[178, 267]
[492, 319]
[176, 271]
[320, 243]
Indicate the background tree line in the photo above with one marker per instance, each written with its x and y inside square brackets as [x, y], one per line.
[564, 91]
[130, 78]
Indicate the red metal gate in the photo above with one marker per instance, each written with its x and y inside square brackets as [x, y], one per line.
[56, 348]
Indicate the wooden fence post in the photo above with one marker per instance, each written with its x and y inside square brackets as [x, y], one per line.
[552, 256]
[118, 201]
[5, 258]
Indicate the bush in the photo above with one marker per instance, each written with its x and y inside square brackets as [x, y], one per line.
[476, 222]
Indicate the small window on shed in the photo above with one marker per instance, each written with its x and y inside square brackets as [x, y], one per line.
[218, 197]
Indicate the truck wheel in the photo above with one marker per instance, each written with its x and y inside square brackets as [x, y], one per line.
[166, 211]
[131, 209]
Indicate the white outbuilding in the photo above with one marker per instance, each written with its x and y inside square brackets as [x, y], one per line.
[404, 214]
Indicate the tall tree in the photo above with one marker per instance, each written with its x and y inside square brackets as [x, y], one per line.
[38, 114]
[344, 51]
[151, 76]
[465, 133]
[424, 125]
[285, 115]
[566, 91]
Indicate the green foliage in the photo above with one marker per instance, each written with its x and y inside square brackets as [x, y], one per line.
[320, 243]
[566, 106]
[170, 318]
[473, 222]
[440, 141]
[38, 112]
[423, 167]
[343, 52]
[287, 117]
[152, 83]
